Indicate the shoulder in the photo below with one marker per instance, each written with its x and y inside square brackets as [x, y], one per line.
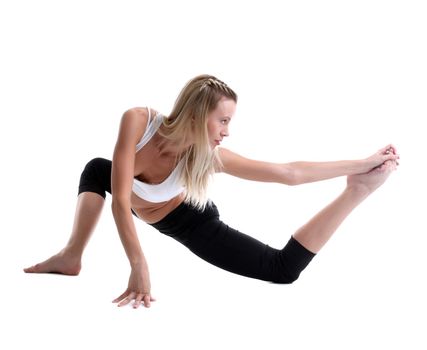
[138, 117]
[226, 157]
[133, 124]
[142, 112]
[136, 113]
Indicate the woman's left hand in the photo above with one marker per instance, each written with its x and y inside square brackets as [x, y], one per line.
[389, 152]
[139, 289]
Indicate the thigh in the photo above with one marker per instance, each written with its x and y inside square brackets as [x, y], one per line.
[221, 245]
[232, 250]
[103, 173]
[96, 177]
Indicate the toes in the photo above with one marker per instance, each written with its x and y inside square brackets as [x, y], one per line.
[30, 269]
[37, 268]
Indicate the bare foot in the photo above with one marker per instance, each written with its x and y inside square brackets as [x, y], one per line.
[60, 263]
[373, 179]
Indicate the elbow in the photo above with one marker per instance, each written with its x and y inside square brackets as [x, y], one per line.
[290, 175]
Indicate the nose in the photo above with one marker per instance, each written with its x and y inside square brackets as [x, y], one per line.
[225, 132]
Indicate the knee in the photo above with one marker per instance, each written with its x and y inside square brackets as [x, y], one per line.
[95, 163]
[95, 168]
[291, 261]
[284, 278]
[96, 177]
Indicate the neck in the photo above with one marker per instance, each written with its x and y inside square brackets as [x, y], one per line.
[168, 149]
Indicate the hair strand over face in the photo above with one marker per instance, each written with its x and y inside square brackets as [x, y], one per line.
[188, 121]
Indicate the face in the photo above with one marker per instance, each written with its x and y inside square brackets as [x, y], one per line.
[219, 119]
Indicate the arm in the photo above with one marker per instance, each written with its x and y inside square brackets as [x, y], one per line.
[131, 129]
[306, 172]
[296, 173]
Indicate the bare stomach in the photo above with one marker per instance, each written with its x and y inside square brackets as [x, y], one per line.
[153, 212]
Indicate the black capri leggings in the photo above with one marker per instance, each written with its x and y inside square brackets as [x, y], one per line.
[209, 238]
[96, 177]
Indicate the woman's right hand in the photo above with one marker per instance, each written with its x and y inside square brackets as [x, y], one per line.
[139, 289]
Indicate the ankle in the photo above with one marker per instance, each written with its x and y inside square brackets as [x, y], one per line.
[71, 253]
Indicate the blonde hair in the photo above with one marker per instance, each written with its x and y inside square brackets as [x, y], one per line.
[187, 123]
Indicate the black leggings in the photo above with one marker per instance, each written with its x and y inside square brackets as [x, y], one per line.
[96, 177]
[209, 238]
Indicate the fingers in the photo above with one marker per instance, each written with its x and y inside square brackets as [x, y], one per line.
[140, 298]
[389, 149]
[393, 149]
[394, 165]
[147, 300]
[127, 300]
[390, 156]
[389, 164]
[121, 297]
[390, 153]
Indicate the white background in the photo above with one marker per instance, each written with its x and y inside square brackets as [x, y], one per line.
[317, 80]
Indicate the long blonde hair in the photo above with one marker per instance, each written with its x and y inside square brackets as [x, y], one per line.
[188, 123]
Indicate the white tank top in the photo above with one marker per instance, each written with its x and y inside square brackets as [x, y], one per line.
[169, 188]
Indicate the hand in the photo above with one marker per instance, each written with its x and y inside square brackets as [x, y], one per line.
[370, 181]
[138, 290]
[389, 152]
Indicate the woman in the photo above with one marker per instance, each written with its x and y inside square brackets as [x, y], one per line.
[160, 172]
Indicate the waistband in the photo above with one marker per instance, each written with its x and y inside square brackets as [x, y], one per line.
[184, 217]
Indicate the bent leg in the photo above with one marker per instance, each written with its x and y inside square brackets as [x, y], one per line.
[68, 260]
[94, 183]
[96, 177]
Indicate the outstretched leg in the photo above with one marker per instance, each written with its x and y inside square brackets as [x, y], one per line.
[321, 227]
[217, 243]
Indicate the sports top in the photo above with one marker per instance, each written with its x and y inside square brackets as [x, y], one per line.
[169, 188]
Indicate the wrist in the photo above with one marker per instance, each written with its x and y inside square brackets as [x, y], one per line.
[357, 190]
[363, 166]
[138, 264]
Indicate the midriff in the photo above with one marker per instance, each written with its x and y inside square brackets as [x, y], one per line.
[154, 212]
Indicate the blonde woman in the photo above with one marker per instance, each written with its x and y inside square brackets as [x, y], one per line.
[160, 171]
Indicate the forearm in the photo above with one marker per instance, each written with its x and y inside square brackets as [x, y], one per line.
[127, 232]
[304, 172]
